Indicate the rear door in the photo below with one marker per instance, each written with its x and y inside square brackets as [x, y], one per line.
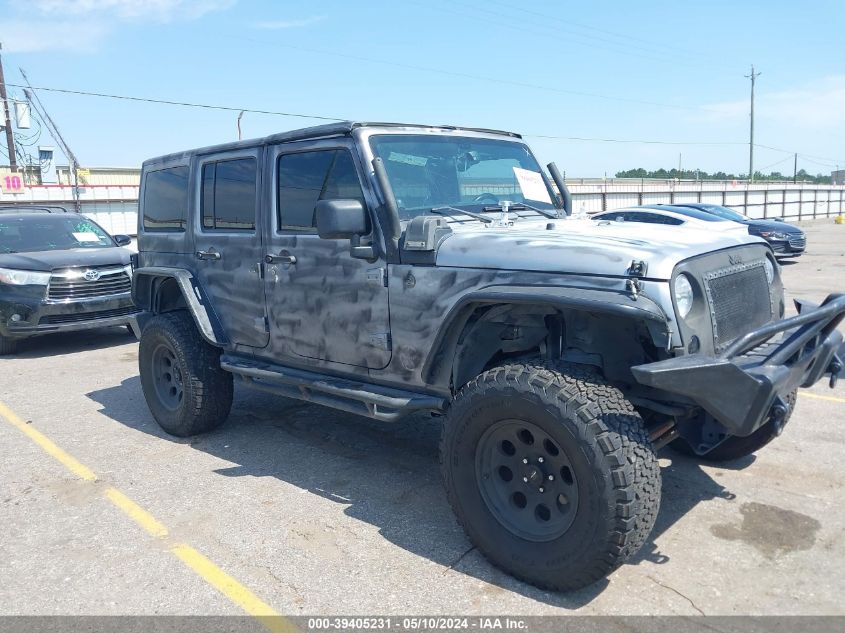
[227, 243]
[323, 303]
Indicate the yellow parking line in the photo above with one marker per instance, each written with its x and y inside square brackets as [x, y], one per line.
[194, 560]
[231, 588]
[818, 397]
[81, 471]
[136, 513]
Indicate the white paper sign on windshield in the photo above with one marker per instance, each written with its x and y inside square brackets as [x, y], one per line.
[87, 236]
[532, 185]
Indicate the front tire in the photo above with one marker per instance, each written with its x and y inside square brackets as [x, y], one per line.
[8, 346]
[531, 421]
[185, 388]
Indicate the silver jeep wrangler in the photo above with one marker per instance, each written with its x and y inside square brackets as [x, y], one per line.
[386, 269]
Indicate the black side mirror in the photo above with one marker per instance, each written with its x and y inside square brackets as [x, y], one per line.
[122, 240]
[341, 219]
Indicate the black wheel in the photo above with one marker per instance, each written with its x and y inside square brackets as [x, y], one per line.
[735, 448]
[8, 346]
[187, 391]
[550, 471]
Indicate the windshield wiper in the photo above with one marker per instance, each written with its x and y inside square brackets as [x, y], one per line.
[472, 214]
[521, 206]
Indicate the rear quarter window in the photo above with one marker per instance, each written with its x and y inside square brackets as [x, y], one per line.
[165, 203]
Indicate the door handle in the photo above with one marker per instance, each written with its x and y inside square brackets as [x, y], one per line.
[279, 259]
[209, 254]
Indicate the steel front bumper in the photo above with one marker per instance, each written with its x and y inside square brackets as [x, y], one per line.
[747, 384]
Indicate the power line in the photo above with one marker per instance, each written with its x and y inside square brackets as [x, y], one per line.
[832, 161]
[633, 141]
[337, 119]
[815, 162]
[531, 29]
[175, 103]
[569, 23]
[651, 52]
[463, 75]
[782, 160]
[325, 118]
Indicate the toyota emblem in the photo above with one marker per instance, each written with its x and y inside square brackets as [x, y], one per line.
[92, 275]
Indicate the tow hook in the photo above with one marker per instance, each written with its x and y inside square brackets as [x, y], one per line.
[778, 416]
[834, 369]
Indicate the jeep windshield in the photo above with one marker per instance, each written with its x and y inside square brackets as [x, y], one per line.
[462, 173]
[45, 232]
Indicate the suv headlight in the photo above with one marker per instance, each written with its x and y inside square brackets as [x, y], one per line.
[770, 270]
[774, 235]
[683, 295]
[23, 277]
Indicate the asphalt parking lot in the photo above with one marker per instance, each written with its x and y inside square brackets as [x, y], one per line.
[303, 510]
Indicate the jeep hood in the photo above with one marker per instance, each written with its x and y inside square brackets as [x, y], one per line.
[581, 246]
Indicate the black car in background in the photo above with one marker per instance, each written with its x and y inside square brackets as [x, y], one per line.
[786, 240]
[60, 271]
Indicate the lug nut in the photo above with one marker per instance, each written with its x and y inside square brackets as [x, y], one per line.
[524, 460]
[542, 489]
[551, 477]
[525, 479]
[540, 459]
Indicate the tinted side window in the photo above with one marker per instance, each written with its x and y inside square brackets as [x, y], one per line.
[227, 201]
[311, 176]
[301, 179]
[343, 183]
[165, 199]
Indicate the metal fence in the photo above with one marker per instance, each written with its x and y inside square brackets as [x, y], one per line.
[790, 201]
[115, 207]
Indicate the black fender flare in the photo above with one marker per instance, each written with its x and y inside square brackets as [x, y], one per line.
[608, 302]
[146, 283]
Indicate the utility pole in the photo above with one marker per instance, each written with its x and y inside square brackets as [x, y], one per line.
[10, 139]
[795, 170]
[753, 76]
[39, 108]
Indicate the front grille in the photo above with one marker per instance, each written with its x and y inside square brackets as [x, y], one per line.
[739, 300]
[797, 242]
[58, 319]
[73, 285]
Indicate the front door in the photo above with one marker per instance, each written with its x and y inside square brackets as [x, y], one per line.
[227, 244]
[323, 304]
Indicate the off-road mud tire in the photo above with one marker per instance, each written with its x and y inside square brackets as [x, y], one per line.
[206, 389]
[613, 463]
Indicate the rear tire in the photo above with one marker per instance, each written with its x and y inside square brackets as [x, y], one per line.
[734, 447]
[185, 388]
[8, 346]
[567, 422]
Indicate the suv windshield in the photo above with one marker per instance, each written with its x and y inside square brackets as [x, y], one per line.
[31, 233]
[468, 173]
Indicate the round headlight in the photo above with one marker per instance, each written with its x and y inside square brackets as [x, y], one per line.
[683, 295]
[770, 270]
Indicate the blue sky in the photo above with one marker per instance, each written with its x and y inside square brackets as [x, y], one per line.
[658, 71]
